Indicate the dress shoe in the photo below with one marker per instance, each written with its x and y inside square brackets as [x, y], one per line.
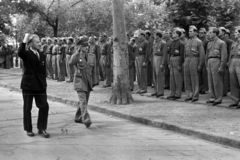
[209, 101]
[194, 100]
[216, 103]
[166, 87]
[160, 95]
[69, 81]
[188, 99]
[176, 98]
[43, 133]
[154, 94]
[202, 92]
[106, 85]
[233, 105]
[170, 97]
[30, 134]
[88, 124]
[142, 91]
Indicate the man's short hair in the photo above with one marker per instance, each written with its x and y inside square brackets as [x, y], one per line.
[223, 29]
[215, 30]
[178, 31]
[202, 29]
[193, 27]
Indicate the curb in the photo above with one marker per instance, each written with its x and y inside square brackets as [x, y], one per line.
[163, 125]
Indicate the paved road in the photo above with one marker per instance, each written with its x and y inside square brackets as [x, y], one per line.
[108, 138]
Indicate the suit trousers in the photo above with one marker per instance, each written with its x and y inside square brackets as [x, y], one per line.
[158, 75]
[234, 70]
[82, 115]
[191, 77]
[54, 66]
[41, 103]
[49, 65]
[141, 73]
[215, 80]
[176, 79]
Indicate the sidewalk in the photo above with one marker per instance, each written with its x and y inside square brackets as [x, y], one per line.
[217, 124]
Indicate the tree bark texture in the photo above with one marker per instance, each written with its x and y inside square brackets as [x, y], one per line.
[121, 93]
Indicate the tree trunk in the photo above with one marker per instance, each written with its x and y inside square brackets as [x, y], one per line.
[55, 28]
[121, 93]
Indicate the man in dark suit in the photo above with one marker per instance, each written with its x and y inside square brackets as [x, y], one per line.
[34, 84]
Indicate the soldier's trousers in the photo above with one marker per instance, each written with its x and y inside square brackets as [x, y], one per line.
[158, 75]
[203, 79]
[215, 80]
[109, 72]
[131, 77]
[60, 68]
[141, 73]
[176, 79]
[234, 70]
[150, 73]
[49, 65]
[96, 76]
[226, 81]
[54, 66]
[191, 77]
[7, 61]
[102, 67]
[70, 68]
[82, 115]
[167, 72]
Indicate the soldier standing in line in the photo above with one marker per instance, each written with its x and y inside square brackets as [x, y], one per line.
[69, 52]
[60, 60]
[167, 38]
[234, 69]
[55, 50]
[194, 58]
[49, 58]
[175, 64]
[203, 79]
[141, 53]
[216, 58]
[95, 49]
[159, 55]
[85, 64]
[43, 46]
[109, 65]
[131, 47]
[226, 74]
[149, 38]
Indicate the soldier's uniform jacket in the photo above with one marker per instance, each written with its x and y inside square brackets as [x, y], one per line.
[194, 48]
[228, 44]
[49, 49]
[160, 49]
[85, 68]
[44, 48]
[177, 50]
[70, 49]
[105, 50]
[95, 49]
[217, 49]
[235, 51]
[142, 48]
[55, 49]
[131, 55]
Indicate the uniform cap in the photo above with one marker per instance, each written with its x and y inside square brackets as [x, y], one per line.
[83, 40]
[202, 30]
[193, 27]
[223, 28]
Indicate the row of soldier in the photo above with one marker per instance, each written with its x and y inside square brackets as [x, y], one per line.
[163, 60]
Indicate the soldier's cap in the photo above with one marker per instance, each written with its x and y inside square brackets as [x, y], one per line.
[177, 29]
[138, 32]
[202, 29]
[193, 27]
[83, 40]
[222, 28]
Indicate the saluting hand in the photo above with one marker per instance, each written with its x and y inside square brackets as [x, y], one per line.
[25, 39]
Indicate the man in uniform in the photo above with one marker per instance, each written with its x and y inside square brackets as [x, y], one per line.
[203, 79]
[141, 53]
[131, 47]
[83, 79]
[194, 58]
[95, 49]
[55, 50]
[167, 38]
[149, 38]
[234, 69]
[175, 64]
[159, 55]
[69, 52]
[216, 58]
[226, 74]
[43, 46]
[60, 61]
[49, 58]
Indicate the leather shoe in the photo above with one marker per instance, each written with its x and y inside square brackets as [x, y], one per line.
[233, 105]
[176, 98]
[142, 92]
[154, 94]
[160, 95]
[194, 100]
[188, 99]
[43, 133]
[106, 85]
[88, 124]
[202, 92]
[170, 97]
[30, 134]
[216, 103]
[209, 101]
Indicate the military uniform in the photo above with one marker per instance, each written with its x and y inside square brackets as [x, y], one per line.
[159, 55]
[141, 56]
[70, 69]
[234, 69]
[167, 70]
[131, 66]
[49, 60]
[216, 59]
[55, 51]
[194, 58]
[175, 65]
[83, 83]
[104, 63]
[61, 63]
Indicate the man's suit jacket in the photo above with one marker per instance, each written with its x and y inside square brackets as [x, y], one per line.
[34, 76]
